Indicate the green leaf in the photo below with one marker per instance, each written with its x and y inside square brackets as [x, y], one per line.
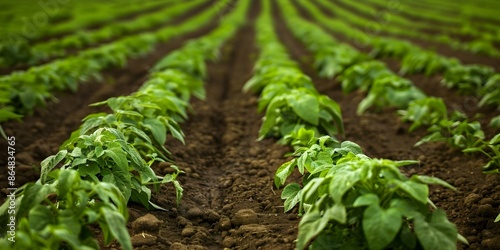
[311, 224]
[176, 132]
[418, 191]
[366, 200]
[283, 172]
[342, 182]
[50, 163]
[118, 156]
[292, 193]
[120, 177]
[117, 228]
[157, 128]
[438, 233]
[380, 226]
[306, 107]
[38, 217]
[66, 180]
[338, 212]
[432, 180]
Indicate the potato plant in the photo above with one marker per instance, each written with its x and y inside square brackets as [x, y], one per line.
[58, 211]
[31, 88]
[353, 201]
[424, 112]
[390, 91]
[287, 95]
[117, 150]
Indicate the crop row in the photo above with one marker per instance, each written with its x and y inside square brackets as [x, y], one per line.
[348, 200]
[107, 162]
[466, 23]
[58, 47]
[470, 79]
[394, 27]
[44, 19]
[357, 71]
[21, 92]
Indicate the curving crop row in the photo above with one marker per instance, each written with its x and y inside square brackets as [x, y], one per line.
[357, 71]
[475, 79]
[32, 54]
[480, 46]
[76, 16]
[21, 92]
[348, 199]
[463, 23]
[107, 162]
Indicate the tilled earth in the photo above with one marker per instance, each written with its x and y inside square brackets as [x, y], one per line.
[229, 199]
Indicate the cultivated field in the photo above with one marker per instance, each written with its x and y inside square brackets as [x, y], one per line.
[250, 124]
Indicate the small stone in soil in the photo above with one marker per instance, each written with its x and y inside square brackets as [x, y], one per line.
[147, 223]
[194, 212]
[211, 216]
[245, 216]
[188, 231]
[225, 223]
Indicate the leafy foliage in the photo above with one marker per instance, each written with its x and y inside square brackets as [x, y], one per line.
[426, 111]
[368, 199]
[361, 76]
[427, 62]
[457, 132]
[467, 78]
[60, 212]
[288, 95]
[391, 90]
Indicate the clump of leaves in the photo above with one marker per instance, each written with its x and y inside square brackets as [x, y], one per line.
[331, 61]
[389, 47]
[362, 75]
[456, 131]
[427, 62]
[361, 198]
[59, 212]
[105, 155]
[390, 91]
[490, 92]
[491, 149]
[301, 108]
[467, 78]
[424, 112]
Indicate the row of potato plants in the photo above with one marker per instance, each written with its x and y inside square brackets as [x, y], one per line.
[107, 162]
[347, 200]
[357, 71]
[25, 53]
[483, 32]
[76, 17]
[395, 27]
[22, 91]
[483, 29]
[476, 79]
[394, 17]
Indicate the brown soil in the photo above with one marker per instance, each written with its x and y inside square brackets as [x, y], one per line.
[229, 199]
